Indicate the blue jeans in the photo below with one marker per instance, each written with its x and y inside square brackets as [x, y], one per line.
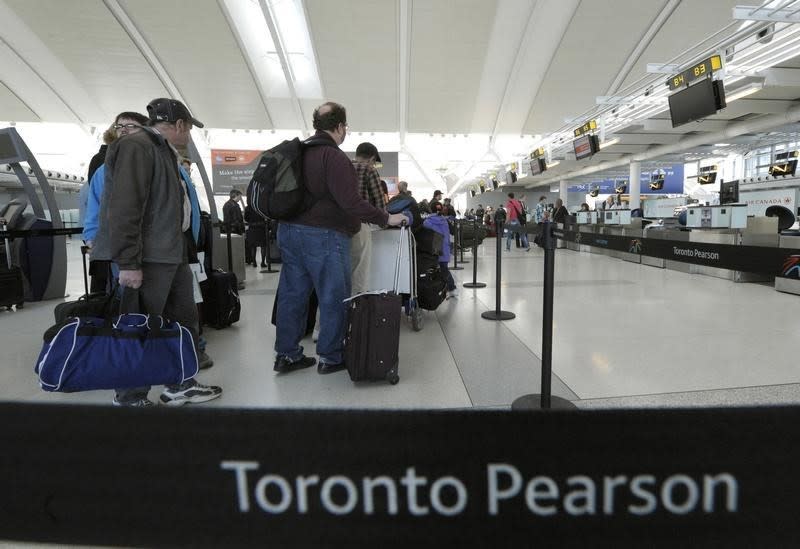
[515, 227]
[320, 259]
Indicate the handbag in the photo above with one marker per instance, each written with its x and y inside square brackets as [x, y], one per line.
[129, 350]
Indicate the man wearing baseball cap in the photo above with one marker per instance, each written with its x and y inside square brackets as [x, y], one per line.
[147, 210]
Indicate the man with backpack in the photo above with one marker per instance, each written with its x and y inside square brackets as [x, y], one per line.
[315, 247]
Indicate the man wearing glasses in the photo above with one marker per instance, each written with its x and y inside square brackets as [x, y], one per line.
[146, 215]
[315, 248]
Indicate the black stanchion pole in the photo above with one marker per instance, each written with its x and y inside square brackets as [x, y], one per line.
[545, 401]
[498, 314]
[460, 232]
[269, 268]
[474, 283]
[454, 251]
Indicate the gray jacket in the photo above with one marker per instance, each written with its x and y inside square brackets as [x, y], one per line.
[142, 206]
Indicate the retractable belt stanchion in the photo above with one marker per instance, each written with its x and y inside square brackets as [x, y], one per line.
[498, 314]
[269, 268]
[474, 283]
[545, 401]
[460, 232]
[456, 243]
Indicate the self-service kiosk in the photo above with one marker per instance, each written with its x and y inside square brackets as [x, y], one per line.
[42, 259]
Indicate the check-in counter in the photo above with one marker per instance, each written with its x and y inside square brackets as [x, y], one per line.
[616, 217]
[760, 231]
[785, 284]
[661, 232]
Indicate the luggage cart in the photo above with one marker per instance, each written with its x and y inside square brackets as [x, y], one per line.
[385, 243]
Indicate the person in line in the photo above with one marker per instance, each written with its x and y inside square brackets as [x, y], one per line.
[561, 213]
[448, 210]
[146, 228]
[369, 187]
[436, 204]
[255, 237]
[514, 211]
[425, 207]
[439, 224]
[479, 212]
[315, 248]
[232, 213]
[126, 123]
[584, 207]
[608, 204]
[541, 208]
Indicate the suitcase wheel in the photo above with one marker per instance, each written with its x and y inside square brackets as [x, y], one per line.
[393, 377]
[19, 305]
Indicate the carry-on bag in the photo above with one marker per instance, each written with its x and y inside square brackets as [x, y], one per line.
[372, 340]
[97, 304]
[12, 288]
[221, 305]
[429, 241]
[128, 350]
[431, 282]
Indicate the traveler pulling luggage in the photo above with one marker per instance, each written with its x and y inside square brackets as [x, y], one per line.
[12, 290]
[372, 340]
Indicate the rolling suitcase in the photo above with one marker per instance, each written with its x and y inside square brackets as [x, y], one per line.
[12, 290]
[372, 340]
[97, 304]
[221, 305]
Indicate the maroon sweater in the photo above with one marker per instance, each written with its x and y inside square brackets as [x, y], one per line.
[331, 179]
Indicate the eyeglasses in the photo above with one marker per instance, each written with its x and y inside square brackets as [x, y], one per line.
[126, 126]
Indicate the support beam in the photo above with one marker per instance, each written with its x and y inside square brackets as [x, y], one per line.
[418, 166]
[262, 93]
[287, 69]
[763, 13]
[404, 51]
[635, 186]
[515, 68]
[144, 48]
[645, 41]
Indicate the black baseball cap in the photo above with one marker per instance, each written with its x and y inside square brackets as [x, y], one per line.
[164, 109]
[367, 149]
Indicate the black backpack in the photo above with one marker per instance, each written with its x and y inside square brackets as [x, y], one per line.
[278, 188]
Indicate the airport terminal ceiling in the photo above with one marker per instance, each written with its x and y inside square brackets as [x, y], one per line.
[460, 88]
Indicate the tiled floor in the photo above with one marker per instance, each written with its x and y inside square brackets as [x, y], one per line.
[625, 335]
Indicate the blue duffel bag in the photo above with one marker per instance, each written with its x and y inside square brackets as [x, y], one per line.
[129, 350]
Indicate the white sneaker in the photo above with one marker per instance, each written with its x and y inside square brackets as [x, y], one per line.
[315, 335]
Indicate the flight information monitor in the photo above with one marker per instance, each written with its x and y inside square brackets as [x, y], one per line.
[585, 146]
[697, 101]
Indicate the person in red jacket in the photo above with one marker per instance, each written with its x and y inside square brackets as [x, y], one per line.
[513, 225]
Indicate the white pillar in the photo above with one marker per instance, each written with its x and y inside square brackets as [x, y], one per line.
[562, 191]
[635, 185]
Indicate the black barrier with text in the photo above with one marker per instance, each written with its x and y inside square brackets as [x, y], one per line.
[12, 234]
[752, 259]
[225, 477]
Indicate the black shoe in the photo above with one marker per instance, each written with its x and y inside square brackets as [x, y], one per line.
[283, 365]
[325, 368]
[264, 265]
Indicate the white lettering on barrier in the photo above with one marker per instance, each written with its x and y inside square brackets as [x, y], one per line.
[543, 496]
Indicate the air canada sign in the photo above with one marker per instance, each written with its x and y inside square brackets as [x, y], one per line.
[758, 201]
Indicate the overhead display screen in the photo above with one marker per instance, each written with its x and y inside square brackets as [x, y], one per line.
[583, 147]
[697, 101]
[537, 166]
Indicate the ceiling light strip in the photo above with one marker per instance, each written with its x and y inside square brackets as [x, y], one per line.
[266, 11]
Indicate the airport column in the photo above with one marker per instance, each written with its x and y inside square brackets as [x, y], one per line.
[635, 186]
[562, 191]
